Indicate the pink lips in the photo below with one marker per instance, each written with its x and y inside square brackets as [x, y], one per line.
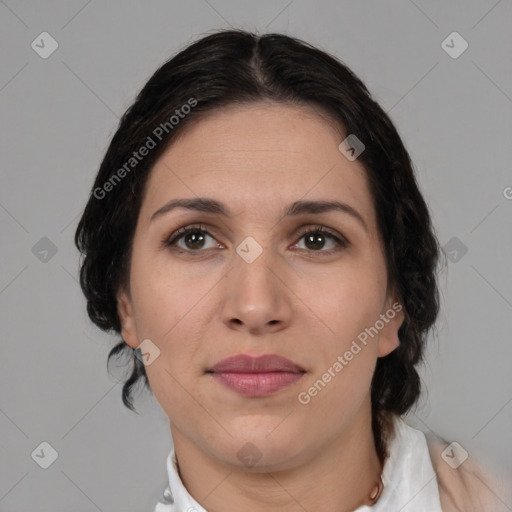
[256, 376]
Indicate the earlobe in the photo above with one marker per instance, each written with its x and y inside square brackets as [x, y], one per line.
[127, 319]
[393, 317]
[387, 345]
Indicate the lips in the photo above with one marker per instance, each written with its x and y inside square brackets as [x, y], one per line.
[256, 376]
[261, 364]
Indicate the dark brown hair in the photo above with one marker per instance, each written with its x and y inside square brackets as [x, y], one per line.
[232, 67]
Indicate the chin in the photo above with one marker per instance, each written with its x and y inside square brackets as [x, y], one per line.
[264, 448]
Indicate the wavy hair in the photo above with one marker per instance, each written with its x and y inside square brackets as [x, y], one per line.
[232, 67]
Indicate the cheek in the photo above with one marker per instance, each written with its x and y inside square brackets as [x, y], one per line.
[174, 309]
[346, 356]
[351, 306]
[167, 313]
[346, 300]
[163, 297]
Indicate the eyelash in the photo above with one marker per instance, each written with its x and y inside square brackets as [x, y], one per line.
[171, 240]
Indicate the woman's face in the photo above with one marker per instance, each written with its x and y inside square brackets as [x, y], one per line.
[260, 283]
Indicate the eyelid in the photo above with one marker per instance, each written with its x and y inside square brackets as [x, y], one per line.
[180, 232]
[316, 228]
[342, 242]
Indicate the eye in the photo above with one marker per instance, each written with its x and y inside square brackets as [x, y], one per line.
[314, 239]
[193, 238]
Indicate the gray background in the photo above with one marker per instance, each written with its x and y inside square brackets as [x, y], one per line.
[57, 117]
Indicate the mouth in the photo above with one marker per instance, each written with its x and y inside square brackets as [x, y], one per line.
[256, 376]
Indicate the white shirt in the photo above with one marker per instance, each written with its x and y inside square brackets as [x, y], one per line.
[410, 483]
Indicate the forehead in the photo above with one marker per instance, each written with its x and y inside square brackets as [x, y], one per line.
[257, 157]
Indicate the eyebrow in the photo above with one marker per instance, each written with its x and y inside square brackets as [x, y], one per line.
[207, 205]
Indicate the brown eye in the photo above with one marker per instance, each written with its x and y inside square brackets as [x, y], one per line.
[192, 238]
[316, 239]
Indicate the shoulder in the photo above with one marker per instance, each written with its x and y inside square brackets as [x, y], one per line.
[466, 486]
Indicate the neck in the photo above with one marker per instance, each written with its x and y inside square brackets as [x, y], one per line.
[341, 477]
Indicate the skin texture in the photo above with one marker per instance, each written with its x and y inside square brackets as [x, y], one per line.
[295, 300]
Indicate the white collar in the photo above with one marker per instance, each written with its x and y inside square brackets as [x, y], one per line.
[410, 483]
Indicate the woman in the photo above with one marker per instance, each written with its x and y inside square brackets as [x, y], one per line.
[256, 235]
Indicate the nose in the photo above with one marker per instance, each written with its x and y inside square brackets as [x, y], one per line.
[257, 298]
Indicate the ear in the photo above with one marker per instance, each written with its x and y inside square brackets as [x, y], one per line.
[127, 319]
[392, 316]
